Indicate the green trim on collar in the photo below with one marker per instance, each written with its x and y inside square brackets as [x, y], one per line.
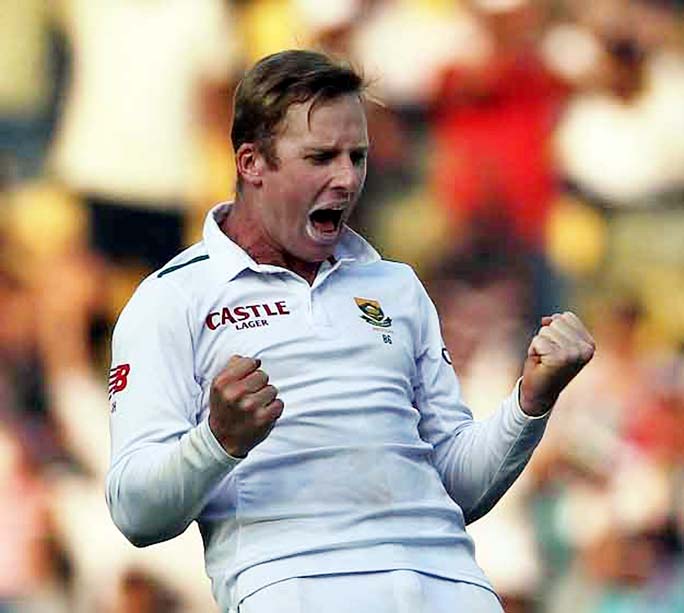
[199, 258]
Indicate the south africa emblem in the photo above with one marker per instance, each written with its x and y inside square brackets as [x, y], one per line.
[372, 312]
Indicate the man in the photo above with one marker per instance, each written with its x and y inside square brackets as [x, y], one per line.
[348, 486]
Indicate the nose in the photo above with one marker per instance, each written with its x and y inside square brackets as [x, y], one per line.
[348, 176]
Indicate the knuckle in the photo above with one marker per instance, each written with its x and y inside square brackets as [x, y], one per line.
[249, 404]
[587, 350]
[262, 418]
[238, 364]
[230, 395]
[216, 387]
[256, 380]
[246, 387]
[266, 419]
[248, 384]
[562, 355]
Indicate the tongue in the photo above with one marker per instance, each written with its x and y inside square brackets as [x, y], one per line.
[326, 225]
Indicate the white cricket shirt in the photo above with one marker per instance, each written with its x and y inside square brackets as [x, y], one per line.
[375, 463]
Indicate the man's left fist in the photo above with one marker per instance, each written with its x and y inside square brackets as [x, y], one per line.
[560, 349]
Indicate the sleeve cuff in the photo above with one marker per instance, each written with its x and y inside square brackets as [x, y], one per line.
[214, 447]
[518, 409]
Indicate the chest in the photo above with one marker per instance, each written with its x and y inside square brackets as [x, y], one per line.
[342, 328]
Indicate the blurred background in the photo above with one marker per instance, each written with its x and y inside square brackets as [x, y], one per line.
[527, 156]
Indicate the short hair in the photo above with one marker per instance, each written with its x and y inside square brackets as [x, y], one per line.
[280, 80]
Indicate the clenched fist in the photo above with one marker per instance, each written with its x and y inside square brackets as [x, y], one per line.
[560, 349]
[243, 408]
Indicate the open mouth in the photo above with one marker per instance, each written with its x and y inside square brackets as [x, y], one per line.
[325, 224]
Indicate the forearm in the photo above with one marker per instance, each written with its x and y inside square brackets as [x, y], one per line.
[483, 458]
[154, 492]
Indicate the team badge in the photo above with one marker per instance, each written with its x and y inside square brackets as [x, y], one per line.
[372, 312]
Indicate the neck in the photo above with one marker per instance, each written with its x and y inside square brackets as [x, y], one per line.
[242, 226]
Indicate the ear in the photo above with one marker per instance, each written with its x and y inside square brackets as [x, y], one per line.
[250, 164]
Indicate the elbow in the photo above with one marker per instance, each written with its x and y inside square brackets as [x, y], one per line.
[476, 512]
[136, 518]
[133, 526]
[476, 508]
[141, 541]
[137, 539]
[134, 532]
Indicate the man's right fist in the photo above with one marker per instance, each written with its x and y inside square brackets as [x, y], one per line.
[243, 408]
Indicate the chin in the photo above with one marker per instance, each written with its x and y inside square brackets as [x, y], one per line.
[318, 256]
[315, 253]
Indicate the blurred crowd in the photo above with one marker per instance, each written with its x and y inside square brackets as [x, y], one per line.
[527, 156]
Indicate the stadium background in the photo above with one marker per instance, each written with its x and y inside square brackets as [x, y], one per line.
[526, 156]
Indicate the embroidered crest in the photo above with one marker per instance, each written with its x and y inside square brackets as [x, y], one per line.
[372, 312]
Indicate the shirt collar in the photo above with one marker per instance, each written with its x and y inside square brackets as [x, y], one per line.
[230, 259]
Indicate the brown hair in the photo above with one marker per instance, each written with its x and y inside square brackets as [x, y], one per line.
[280, 80]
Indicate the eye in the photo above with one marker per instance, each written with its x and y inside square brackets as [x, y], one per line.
[358, 157]
[320, 158]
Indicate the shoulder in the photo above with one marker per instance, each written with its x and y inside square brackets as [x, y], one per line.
[406, 281]
[390, 278]
[185, 274]
[168, 293]
[188, 264]
[388, 269]
[398, 274]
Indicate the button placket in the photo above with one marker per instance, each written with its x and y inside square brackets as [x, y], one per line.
[319, 314]
[309, 306]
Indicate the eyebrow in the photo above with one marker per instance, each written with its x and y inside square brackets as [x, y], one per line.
[334, 149]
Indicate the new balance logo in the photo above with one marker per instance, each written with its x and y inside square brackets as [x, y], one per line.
[118, 378]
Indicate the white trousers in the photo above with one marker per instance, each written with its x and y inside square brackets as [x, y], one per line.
[397, 591]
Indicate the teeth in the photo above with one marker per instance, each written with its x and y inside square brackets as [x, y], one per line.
[326, 208]
[321, 237]
[331, 207]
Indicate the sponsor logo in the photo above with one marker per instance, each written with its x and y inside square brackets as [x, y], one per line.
[247, 316]
[372, 312]
[445, 356]
[118, 380]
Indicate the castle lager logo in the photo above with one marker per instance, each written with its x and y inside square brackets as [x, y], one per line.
[372, 312]
[247, 316]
